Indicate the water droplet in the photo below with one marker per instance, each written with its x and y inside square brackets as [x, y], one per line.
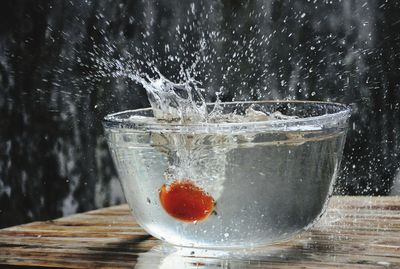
[226, 234]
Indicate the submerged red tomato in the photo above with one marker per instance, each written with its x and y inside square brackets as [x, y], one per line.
[185, 201]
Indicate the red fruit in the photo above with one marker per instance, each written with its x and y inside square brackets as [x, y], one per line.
[185, 201]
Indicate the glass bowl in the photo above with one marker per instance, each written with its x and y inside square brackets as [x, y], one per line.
[232, 184]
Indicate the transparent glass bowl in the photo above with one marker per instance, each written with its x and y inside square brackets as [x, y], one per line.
[229, 185]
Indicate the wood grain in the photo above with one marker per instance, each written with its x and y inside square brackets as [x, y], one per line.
[356, 232]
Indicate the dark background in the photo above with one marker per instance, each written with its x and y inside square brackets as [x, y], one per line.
[53, 157]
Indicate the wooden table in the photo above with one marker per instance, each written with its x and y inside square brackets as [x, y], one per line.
[356, 232]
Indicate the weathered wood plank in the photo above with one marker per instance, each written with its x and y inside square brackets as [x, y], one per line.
[356, 232]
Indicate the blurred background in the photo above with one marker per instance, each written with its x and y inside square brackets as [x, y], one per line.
[54, 160]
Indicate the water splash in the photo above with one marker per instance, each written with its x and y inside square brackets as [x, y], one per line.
[170, 101]
[182, 102]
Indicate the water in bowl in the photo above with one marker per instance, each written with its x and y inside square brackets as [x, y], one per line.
[265, 186]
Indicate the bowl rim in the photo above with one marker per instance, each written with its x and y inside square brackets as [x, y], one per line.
[335, 119]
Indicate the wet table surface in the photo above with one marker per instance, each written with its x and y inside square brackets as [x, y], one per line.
[356, 232]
